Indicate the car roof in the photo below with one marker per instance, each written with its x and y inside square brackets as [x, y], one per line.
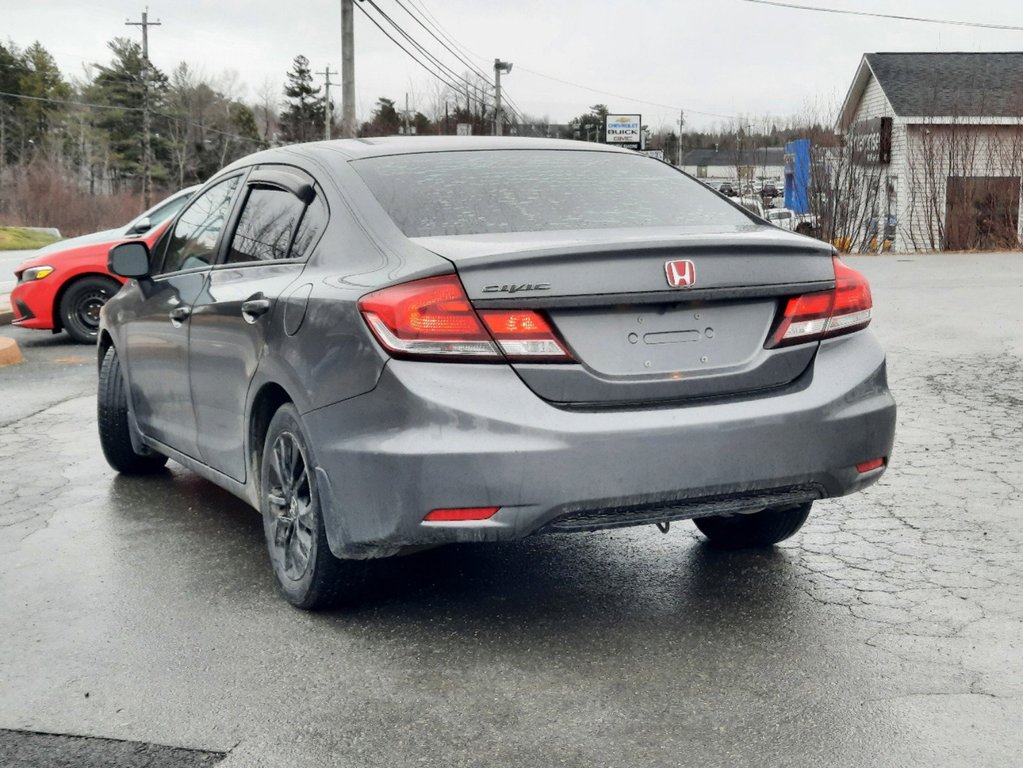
[357, 149]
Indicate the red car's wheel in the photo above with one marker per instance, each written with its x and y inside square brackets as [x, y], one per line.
[81, 303]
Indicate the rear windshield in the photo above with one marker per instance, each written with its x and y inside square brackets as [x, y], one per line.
[492, 191]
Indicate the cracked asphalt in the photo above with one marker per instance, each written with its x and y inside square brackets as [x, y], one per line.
[888, 632]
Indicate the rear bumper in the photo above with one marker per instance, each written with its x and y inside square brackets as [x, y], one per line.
[434, 435]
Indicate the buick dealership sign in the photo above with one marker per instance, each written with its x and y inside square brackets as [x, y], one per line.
[624, 129]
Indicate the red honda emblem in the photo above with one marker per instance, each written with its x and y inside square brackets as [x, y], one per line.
[681, 274]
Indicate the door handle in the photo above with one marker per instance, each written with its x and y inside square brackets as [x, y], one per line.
[178, 315]
[253, 308]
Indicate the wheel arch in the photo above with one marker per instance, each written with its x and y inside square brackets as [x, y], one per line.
[267, 400]
[103, 343]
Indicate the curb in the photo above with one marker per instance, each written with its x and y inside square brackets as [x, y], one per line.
[10, 353]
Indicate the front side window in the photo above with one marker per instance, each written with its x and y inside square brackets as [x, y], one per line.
[193, 242]
[266, 226]
[167, 210]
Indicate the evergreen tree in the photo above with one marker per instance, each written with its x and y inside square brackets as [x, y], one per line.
[41, 78]
[385, 122]
[26, 124]
[122, 84]
[303, 117]
[590, 127]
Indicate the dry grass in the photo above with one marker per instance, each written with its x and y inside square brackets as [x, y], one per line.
[41, 194]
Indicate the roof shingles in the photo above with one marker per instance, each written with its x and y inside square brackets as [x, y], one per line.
[951, 84]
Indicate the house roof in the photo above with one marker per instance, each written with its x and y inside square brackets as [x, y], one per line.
[941, 84]
[729, 157]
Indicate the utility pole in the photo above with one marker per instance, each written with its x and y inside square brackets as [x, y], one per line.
[681, 122]
[326, 101]
[147, 147]
[347, 69]
[499, 67]
[407, 131]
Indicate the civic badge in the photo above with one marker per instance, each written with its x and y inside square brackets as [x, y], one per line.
[681, 273]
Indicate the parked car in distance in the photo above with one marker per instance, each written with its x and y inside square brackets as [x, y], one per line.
[393, 343]
[64, 285]
[786, 218]
[727, 189]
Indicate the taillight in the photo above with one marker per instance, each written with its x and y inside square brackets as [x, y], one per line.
[434, 318]
[845, 308]
[523, 334]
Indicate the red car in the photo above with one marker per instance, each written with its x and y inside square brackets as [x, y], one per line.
[64, 285]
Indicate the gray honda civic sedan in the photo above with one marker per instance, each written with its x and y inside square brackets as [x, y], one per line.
[385, 344]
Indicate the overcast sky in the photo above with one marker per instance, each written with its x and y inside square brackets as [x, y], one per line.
[712, 58]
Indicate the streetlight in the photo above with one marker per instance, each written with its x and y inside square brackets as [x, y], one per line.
[499, 67]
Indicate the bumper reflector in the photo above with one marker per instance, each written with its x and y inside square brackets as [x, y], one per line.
[460, 515]
[868, 466]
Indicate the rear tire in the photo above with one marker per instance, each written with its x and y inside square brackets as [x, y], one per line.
[112, 416]
[307, 573]
[81, 303]
[760, 529]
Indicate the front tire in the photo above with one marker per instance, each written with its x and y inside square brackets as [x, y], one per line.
[81, 303]
[112, 416]
[307, 573]
[760, 529]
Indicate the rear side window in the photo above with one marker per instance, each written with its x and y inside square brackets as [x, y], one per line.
[265, 228]
[313, 223]
[492, 191]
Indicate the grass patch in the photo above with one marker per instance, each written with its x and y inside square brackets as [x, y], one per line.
[23, 239]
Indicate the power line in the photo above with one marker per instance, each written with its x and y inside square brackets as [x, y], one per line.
[466, 54]
[460, 54]
[421, 6]
[463, 60]
[404, 33]
[435, 67]
[408, 53]
[673, 107]
[845, 12]
[448, 71]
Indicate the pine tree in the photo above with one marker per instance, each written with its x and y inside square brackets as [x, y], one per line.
[121, 85]
[302, 119]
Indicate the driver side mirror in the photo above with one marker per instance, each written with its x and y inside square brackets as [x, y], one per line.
[129, 260]
[141, 226]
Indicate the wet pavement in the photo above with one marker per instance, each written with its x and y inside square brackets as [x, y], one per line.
[888, 632]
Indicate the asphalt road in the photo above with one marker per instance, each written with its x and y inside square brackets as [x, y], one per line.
[889, 632]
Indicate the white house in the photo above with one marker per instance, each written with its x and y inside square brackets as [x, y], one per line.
[944, 134]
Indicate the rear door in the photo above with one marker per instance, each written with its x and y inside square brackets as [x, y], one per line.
[280, 218]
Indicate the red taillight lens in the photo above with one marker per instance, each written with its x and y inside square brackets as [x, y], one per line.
[434, 318]
[431, 317]
[460, 515]
[523, 334]
[812, 316]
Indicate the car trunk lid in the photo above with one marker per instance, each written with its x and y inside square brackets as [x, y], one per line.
[635, 337]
